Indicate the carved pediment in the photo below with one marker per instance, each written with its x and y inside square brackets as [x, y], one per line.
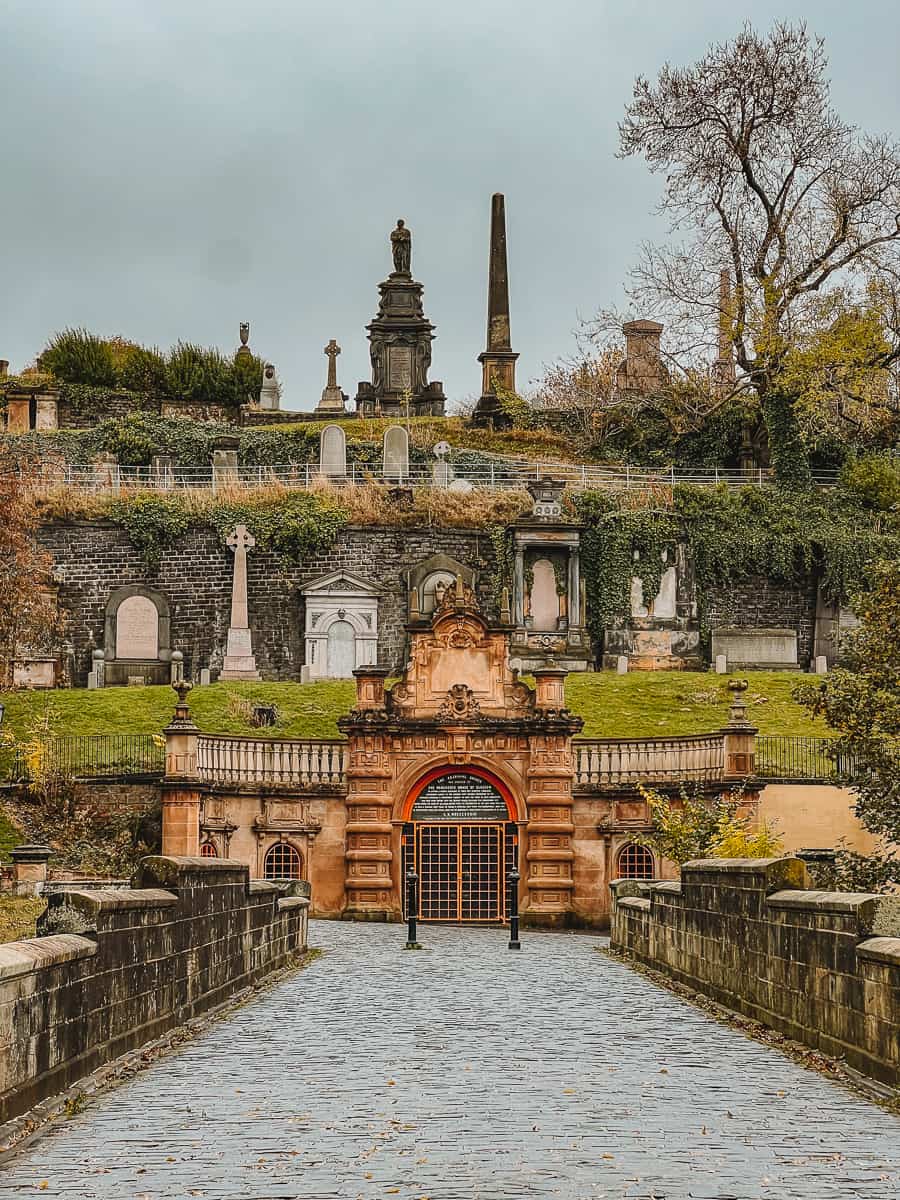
[339, 583]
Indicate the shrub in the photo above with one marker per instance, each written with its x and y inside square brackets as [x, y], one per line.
[247, 373]
[874, 480]
[76, 356]
[141, 369]
[202, 375]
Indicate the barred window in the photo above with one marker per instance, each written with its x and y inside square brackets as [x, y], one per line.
[634, 862]
[283, 862]
[208, 850]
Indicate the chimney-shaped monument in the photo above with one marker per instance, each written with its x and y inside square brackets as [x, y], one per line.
[498, 362]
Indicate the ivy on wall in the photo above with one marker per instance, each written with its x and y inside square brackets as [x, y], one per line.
[293, 526]
[783, 534]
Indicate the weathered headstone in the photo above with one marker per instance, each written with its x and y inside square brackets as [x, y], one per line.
[18, 414]
[204, 676]
[396, 453]
[162, 472]
[269, 397]
[622, 664]
[96, 675]
[137, 629]
[721, 664]
[240, 662]
[46, 412]
[821, 664]
[225, 462]
[460, 485]
[333, 452]
[441, 471]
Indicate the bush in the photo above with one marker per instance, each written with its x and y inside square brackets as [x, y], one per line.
[247, 372]
[140, 369]
[874, 480]
[202, 375]
[76, 356]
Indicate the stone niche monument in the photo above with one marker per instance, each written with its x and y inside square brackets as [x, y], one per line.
[400, 340]
[137, 637]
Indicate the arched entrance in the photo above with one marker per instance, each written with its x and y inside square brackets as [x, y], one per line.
[460, 836]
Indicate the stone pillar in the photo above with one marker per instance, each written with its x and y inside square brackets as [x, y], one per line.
[370, 891]
[97, 674]
[550, 828]
[181, 783]
[29, 869]
[739, 735]
[519, 588]
[498, 361]
[4, 367]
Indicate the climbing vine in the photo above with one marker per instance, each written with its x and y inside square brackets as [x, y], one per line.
[293, 526]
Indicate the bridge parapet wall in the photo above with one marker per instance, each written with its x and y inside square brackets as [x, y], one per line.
[133, 964]
[821, 967]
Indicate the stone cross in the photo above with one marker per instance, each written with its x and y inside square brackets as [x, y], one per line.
[332, 350]
[240, 540]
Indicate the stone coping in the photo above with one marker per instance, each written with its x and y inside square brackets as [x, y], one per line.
[838, 902]
[288, 902]
[33, 954]
[121, 898]
[639, 903]
[738, 866]
[881, 949]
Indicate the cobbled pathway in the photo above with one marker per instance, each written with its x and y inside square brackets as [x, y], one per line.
[467, 1071]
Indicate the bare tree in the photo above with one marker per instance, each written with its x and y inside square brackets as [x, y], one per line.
[763, 178]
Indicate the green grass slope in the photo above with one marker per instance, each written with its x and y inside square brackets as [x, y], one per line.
[641, 704]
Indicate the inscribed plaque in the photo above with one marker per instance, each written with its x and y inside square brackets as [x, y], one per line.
[460, 797]
[399, 368]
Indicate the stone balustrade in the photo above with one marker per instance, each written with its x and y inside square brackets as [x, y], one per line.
[608, 762]
[305, 763]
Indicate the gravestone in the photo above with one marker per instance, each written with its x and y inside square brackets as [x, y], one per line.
[460, 485]
[333, 452]
[772, 649]
[106, 471]
[622, 664]
[332, 399]
[225, 462]
[240, 662]
[441, 471]
[162, 472]
[46, 413]
[96, 675]
[721, 664]
[396, 453]
[18, 414]
[268, 397]
[137, 629]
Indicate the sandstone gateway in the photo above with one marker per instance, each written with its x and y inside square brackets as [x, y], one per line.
[460, 770]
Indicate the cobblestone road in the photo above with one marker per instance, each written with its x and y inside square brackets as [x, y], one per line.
[467, 1071]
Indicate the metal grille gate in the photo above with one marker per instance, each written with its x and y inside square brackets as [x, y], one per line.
[462, 871]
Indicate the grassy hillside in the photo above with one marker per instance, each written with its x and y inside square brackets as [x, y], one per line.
[642, 704]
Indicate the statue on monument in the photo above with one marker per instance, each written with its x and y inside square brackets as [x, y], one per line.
[401, 248]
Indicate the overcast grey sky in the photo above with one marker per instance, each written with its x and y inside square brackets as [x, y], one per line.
[172, 167]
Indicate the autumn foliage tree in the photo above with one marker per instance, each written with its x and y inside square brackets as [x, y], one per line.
[763, 178]
[29, 618]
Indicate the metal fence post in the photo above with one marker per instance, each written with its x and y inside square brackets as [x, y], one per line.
[412, 910]
[513, 881]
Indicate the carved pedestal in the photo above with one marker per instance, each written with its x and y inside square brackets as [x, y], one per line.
[369, 830]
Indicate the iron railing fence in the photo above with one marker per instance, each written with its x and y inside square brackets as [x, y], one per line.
[801, 758]
[93, 756]
[501, 475]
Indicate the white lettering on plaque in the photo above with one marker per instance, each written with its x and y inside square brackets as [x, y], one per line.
[137, 628]
[399, 367]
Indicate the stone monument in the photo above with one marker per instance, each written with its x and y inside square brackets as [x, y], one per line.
[498, 361]
[333, 399]
[400, 339]
[270, 393]
[239, 660]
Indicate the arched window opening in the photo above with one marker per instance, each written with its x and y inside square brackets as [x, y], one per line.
[208, 850]
[283, 862]
[634, 862]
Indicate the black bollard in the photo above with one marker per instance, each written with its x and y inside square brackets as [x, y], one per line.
[513, 879]
[412, 909]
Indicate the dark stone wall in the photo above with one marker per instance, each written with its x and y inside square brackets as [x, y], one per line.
[94, 558]
[823, 968]
[146, 960]
[761, 603]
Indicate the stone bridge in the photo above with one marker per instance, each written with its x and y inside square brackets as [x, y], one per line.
[467, 1071]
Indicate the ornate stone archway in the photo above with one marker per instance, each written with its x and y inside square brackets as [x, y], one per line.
[459, 706]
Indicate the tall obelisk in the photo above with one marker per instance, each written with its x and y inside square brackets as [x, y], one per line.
[498, 362]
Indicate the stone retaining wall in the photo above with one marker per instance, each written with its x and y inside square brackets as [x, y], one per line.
[821, 967]
[195, 932]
